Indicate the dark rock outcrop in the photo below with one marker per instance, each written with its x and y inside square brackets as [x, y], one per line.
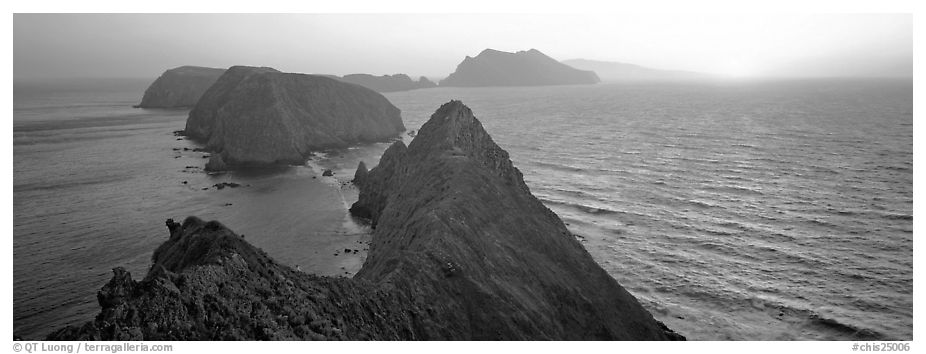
[361, 174]
[179, 87]
[461, 250]
[524, 68]
[388, 83]
[258, 116]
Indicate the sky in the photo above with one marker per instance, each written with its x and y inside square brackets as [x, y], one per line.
[49, 46]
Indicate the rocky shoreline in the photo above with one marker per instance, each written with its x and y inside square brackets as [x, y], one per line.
[461, 250]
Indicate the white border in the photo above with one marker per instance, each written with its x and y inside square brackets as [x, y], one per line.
[467, 6]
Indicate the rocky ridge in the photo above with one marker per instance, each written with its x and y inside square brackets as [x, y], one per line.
[461, 250]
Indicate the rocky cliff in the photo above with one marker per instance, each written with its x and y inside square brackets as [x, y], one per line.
[461, 250]
[179, 87]
[262, 116]
[388, 83]
[524, 68]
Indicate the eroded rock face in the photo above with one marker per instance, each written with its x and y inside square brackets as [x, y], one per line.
[179, 87]
[461, 251]
[524, 68]
[257, 116]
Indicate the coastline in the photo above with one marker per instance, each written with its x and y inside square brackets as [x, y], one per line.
[631, 230]
[205, 275]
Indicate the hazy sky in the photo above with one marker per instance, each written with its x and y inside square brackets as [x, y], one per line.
[144, 45]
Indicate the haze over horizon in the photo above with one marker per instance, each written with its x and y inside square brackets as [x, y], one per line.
[50, 46]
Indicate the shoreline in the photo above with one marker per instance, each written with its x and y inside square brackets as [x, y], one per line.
[661, 289]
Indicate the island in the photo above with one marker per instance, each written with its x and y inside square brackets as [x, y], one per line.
[388, 83]
[624, 72]
[524, 68]
[259, 116]
[179, 87]
[461, 250]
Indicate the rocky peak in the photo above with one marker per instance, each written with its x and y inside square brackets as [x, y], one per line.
[452, 207]
[197, 242]
[453, 129]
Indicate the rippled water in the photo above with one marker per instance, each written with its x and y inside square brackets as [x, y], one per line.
[762, 210]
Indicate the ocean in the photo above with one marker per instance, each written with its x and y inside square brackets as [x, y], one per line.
[742, 210]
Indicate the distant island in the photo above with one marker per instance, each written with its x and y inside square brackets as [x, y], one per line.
[524, 68]
[614, 71]
[259, 116]
[388, 83]
[179, 87]
[461, 250]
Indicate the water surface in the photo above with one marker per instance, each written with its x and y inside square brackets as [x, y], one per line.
[748, 211]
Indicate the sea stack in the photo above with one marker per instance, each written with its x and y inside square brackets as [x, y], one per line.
[524, 68]
[179, 87]
[259, 116]
[461, 251]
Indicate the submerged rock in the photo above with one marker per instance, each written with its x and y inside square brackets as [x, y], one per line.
[524, 68]
[222, 185]
[255, 116]
[461, 251]
[179, 87]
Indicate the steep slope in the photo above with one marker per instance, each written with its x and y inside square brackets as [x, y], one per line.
[461, 250]
[179, 87]
[614, 71]
[524, 68]
[388, 83]
[263, 116]
[453, 214]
